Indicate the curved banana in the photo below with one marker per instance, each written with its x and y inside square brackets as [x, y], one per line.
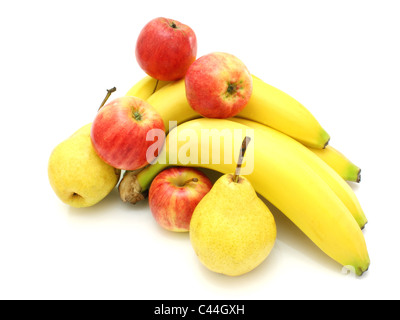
[145, 87]
[329, 175]
[276, 109]
[267, 105]
[171, 103]
[281, 175]
[340, 163]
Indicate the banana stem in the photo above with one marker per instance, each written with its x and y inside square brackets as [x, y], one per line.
[109, 92]
[245, 143]
[146, 176]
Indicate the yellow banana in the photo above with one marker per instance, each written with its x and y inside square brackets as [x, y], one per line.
[171, 103]
[278, 110]
[267, 105]
[281, 175]
[329, 175]
[340, 163]
[145, 87]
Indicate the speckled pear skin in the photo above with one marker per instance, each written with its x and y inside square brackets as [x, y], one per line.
[76, 173]
[232, 231]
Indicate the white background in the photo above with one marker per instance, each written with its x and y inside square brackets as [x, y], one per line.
[339, 58]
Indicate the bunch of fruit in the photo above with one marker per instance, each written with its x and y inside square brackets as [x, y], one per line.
[211, 112]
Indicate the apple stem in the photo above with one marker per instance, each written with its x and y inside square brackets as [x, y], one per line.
[155, 88]
[109, 92]
[190, 180]
[245, 143]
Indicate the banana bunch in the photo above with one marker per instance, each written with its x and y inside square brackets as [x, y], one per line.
[268, 106]
[294, 168]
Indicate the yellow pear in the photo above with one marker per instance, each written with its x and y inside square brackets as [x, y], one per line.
[76, 173]
[232, 231]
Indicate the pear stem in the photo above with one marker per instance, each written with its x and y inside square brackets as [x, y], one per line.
[245, 143]
[109, 92]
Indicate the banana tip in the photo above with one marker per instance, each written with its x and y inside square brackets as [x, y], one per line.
[327, 143]
[365, 223]
[361, 271]
[359, 176]
[130, 189]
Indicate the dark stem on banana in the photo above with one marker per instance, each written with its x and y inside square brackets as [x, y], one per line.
[155, 88]
[245, 143]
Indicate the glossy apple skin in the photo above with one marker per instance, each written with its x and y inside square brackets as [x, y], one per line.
[218, 85]
[120, 129]
[166, 48]
[172, 201]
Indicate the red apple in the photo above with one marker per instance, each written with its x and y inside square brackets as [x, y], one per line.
[119, 133]
[218, 85]
[174, 194]
[166, 48]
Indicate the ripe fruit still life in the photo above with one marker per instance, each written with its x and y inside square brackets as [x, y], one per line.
[166, 48]
[206, 107]
[174, 194]
[218, 85]
[291, 178]
[120, 133]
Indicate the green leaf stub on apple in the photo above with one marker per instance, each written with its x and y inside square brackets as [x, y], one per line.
[218, 85]
[119, 133]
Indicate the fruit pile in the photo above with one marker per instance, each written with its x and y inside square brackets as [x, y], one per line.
[211, 112]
